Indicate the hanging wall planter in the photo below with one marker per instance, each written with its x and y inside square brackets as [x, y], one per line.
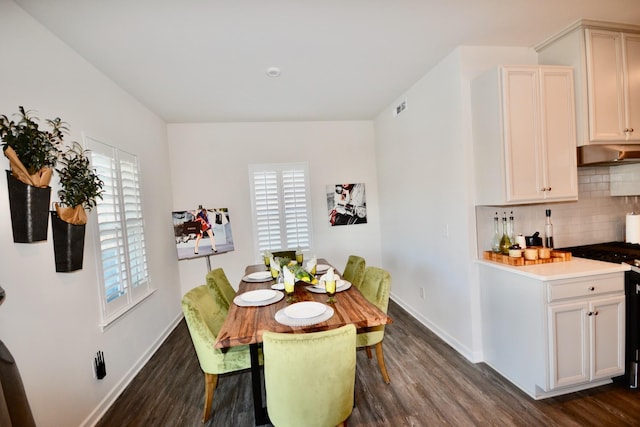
[29, 208]
[32, 154]
[80, 186]
[68, 244]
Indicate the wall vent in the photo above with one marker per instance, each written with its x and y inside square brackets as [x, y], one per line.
[400, 108]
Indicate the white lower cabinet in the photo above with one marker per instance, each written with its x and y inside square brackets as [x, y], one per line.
[552, 337]
[586, 340]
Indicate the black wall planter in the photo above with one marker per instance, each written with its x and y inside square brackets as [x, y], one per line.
[68, 244]
[29, 207]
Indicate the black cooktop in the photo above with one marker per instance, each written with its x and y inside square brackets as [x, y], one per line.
[617, 252]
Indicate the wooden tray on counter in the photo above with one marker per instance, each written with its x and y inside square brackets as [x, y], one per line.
[556, 256]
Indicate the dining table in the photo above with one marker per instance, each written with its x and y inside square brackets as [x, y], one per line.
[246, 322]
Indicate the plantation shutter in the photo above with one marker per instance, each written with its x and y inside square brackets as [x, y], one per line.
[281, 206]
[120, 229]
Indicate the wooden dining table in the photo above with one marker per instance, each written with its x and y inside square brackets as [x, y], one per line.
[245, 325]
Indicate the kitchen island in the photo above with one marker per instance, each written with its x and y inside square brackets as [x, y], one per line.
[553, 328]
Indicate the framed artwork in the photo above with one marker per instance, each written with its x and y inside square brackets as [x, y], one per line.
[202, 232]
[347, 204]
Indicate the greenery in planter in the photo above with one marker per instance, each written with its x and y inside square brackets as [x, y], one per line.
[32, 151]
[80, 186]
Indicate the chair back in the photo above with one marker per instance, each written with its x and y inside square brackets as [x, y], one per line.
[354, 270]
[376, 287]
[285, 254]
[218, 283]
[309, 378]
[204, 316]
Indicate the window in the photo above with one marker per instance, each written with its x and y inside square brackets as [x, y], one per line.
[125, 278]
[281, 206]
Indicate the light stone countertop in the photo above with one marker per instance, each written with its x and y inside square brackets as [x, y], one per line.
[577, 267]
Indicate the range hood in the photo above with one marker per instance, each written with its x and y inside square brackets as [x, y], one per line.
[608, 155]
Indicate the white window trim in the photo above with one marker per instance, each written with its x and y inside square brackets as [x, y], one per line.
[113, 310]
[279, 168]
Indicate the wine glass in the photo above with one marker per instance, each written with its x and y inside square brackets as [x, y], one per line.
[330, 287]
[289, 288]
[274, 272]
[267, 261]
[299, 257]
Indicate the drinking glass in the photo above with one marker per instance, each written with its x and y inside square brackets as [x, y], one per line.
[267, 262]
[274, 272]
[289, 288]
[330, 287]
[299, 257]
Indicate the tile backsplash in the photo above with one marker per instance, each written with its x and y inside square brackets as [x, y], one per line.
[596, 217]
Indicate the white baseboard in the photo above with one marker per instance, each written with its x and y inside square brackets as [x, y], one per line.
[473, 357]
[111, 397]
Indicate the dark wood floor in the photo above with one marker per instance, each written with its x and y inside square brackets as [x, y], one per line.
[431, 385]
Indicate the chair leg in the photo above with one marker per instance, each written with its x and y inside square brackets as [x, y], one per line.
[210, 383]
[383, 368]
[369, 355]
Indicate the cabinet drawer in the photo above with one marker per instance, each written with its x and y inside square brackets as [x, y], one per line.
[584, 287]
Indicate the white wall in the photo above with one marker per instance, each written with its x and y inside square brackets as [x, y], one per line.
[50, 320]
[210, 167]
[425, 173]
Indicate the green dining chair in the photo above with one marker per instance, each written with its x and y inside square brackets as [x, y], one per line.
[218, 282]
[310, 378]
[354, 270]
[376, 286]
[205, 314]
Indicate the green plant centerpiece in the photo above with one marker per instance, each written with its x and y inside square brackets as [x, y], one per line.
[32, 151]
[80, 186]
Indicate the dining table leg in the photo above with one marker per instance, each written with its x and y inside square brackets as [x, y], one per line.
[259, 409]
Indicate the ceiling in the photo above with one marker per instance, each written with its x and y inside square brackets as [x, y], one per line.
[206, 60]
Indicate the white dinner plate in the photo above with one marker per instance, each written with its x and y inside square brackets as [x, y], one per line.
[305, 310]
[258, 295]
[258, 276]
[321, 268]
[278, 286]
[341, 285]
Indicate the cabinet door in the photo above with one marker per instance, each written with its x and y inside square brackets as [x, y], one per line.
[568, 344]
[632, 85]
[523, 154]
[605, 86]
[558, 132]
[607, 337]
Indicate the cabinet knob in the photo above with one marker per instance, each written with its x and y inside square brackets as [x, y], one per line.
[628, 130]
[631, 130]
[590, 313]
[595, 313]
[549, 189]
[592, 288]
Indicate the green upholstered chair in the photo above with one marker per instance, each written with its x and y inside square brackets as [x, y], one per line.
[310, 378]
[218, 282]
[354, 270]
[285, 254]
[376, 286]
[204, 314]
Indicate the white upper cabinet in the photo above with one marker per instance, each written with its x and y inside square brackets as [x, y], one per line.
[606, 58]
[524, 135]
[613, 82]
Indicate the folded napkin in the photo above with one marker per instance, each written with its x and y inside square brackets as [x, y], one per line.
[329, 277]
[289, 277]
[311, 264]
[273, 264]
